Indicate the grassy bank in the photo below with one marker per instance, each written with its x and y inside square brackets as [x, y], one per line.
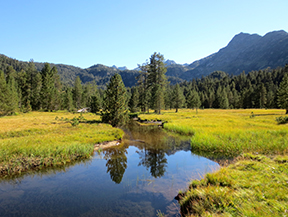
[39, 139]
[253, 186]
[229, 132]
[256, 184]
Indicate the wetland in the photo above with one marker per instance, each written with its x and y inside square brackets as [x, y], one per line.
[141, 176]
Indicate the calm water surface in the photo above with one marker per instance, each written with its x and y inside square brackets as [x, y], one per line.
[138, 178]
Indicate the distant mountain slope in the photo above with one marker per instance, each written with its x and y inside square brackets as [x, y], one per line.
[100, 73]
[244, 52]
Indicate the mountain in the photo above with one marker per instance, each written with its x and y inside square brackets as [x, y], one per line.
[245, 52]
[101, 74]
[170, 62]
[120, 68]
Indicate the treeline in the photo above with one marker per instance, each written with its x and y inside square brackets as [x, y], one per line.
[257, 89]
[29, 89]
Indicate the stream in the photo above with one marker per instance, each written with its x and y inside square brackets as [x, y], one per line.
[140, 177]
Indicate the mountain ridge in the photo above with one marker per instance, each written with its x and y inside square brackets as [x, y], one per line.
[244, 52]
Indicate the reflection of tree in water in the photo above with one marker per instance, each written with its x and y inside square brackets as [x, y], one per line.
[155, 160]
[116, 163]
[154, 144]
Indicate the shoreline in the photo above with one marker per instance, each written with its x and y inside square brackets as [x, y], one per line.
[107, 144]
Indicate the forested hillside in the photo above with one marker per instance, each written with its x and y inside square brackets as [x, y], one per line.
[98, 73]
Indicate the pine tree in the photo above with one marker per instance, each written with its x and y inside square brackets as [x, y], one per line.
[177, 97]
[224, 103]
[68, 100]
[134, 100]
[94, 101]
[13, 96]
[210, 97]
[263, 96]
[77, 93]
[283, 93]
[143, 89]
[4, 96]
[270, 99]
[36, 91]
[168, 97]
[218, 97]
[48, 87]
[115, 105]
[95, 105]
[156, 80]
[24, 91]
[193, 99]
[57, 103]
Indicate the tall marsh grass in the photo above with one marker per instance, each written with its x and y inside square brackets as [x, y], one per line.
[36, 139]
[228, 132]
[253, 186]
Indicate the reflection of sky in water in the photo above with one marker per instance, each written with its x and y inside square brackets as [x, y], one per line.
[86, 189]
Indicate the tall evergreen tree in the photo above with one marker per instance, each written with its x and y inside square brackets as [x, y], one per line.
[134, 100]
[224, 103]
[143, 89]
[193, 99]
[48, 87]
[94, 101]
[58, 100]
[157, 81]
[262, 96]
[168, 97]
[210, 97]
[68, 100]
[13, 96]
[4, 96]
[283, 93]
[115, 105]
[178, 97]
[36, 87]
[77, 93]
[24, 91]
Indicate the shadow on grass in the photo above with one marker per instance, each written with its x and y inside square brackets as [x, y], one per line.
[265, 114]
[91, 122]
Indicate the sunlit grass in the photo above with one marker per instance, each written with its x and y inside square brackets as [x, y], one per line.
[253, 186]
[229, 132]
[38, 139]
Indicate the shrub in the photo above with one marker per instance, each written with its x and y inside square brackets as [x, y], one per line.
[282, 120]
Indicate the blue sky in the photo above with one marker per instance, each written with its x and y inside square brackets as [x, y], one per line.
[127, 32]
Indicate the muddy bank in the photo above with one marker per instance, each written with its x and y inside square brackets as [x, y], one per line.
[107, 144]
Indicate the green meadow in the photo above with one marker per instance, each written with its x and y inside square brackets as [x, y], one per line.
[39, 139]
[256, 183]
[228, 132]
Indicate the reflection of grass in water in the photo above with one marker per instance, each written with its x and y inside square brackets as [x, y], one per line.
[46, 171]
[37, 140]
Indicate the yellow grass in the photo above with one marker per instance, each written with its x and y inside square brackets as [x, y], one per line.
[41, 139]
[228, 131]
